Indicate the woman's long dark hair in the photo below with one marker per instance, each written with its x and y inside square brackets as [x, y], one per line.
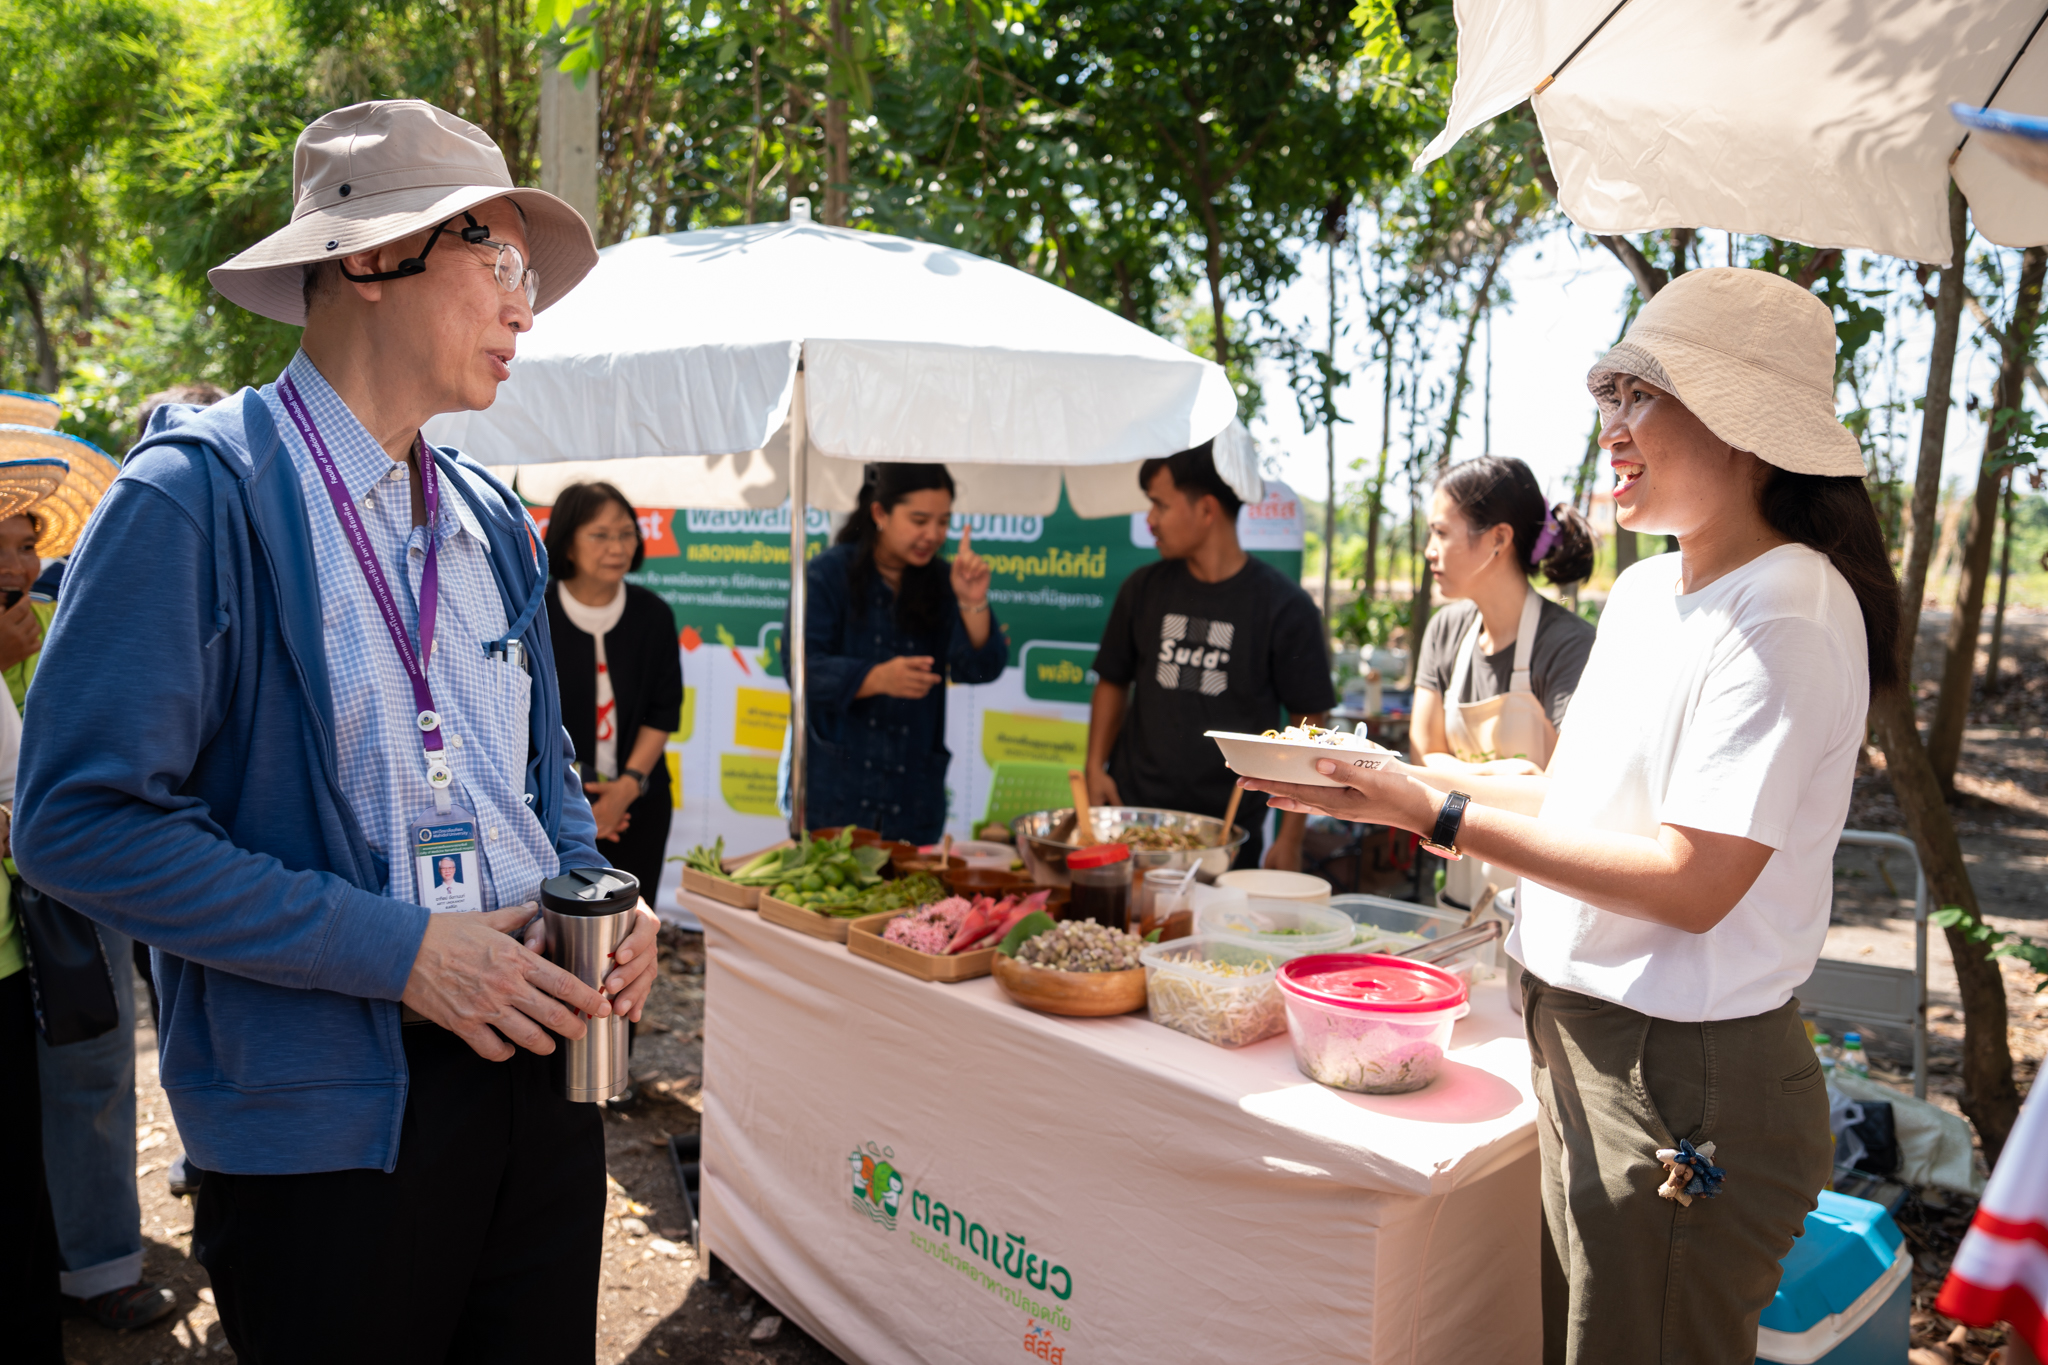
[1834, 515]
[1493, 489]
[924, 599]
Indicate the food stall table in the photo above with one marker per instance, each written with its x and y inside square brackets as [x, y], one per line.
[924, 1172]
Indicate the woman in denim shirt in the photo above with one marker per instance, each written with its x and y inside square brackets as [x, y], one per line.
[890, 623]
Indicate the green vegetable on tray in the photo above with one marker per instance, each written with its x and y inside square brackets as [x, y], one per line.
[848, 902]
[710, 861]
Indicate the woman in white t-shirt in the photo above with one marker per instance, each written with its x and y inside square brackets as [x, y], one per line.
[1677, 857]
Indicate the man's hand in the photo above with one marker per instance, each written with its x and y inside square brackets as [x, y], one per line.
[21, 634]
[1102, 788]
[475, 980]
[1284, 853]
[908, 676]
[632, 975]
[608, 803]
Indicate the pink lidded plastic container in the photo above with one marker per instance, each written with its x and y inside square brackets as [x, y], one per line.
[1374, 1024]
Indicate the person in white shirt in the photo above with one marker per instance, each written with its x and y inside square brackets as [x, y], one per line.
[1677, 857]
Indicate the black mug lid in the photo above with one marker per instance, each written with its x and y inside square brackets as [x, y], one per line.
[590, 891]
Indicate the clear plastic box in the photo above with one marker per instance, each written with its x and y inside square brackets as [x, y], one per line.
[1186, 992]
[1290, 927]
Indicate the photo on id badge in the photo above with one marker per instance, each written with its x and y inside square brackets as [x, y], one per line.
[444, 862]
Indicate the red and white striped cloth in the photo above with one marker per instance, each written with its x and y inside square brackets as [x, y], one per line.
[2001, 1269]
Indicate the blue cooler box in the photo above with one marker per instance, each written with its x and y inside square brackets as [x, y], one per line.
[1845, 1295]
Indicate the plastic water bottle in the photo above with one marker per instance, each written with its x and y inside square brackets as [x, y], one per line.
[1852, 1061]
[1824, 1048]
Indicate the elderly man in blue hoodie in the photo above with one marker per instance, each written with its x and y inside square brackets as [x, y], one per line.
[336, 630]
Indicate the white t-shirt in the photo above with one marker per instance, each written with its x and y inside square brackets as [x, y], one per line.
[1738, 709]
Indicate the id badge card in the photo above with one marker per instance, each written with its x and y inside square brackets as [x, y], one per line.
[445, 867]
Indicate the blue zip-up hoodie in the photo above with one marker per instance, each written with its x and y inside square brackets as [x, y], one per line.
[183, 789]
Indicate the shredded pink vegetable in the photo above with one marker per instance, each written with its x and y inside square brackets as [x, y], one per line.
[930, 928]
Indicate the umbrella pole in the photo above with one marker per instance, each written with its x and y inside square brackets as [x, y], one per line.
[793, 650]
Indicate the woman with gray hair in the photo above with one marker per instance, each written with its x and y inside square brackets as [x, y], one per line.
[1677, 857]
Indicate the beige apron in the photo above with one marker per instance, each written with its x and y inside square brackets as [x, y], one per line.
[1511, 725]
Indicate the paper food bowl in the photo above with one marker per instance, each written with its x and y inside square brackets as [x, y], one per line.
[1293, 760]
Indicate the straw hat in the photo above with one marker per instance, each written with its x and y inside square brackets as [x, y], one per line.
[29, 409]
[377, 172]
[24, 483]
[1753, 355]
[85, 473]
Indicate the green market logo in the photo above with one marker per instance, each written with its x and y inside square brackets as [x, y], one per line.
[1058, 672]
[877, 1184]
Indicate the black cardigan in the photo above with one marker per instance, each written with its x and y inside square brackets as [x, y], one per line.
[647, 678]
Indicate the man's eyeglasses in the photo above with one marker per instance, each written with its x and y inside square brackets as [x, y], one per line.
[510, 268]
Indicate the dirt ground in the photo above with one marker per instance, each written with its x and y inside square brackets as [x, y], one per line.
[657, 1304]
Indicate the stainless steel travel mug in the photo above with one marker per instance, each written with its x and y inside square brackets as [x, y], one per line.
[587, 912]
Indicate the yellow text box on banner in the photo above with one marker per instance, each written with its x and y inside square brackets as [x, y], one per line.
[674, 759]
[1007, 737]
[747, 782]
[759, 718]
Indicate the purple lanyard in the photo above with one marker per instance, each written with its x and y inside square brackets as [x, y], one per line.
[438, 774]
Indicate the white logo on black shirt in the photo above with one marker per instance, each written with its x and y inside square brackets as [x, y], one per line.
[1194, 654]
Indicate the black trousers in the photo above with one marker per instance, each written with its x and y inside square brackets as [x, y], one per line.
[482, 1244]
[31, 1313]
[643, 847]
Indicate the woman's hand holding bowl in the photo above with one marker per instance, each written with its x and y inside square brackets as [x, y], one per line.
[1373, 796]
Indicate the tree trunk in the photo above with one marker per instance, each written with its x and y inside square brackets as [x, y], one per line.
[1951, 710]
[46, 352]
[1990, 1097]
[1991, 683]
[1371, 581]
[838, 164]
[1649, 278]
[1420, 617]
[1923, 528]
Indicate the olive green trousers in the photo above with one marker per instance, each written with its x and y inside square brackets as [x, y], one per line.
[1629, 1277]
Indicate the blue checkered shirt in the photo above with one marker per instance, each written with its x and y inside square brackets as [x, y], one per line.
[483, 702]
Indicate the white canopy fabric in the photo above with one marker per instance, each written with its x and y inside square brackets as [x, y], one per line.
[760, 479]
[1824, 122]
[682, 350]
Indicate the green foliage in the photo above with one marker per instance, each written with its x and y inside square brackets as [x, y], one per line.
[1373, 622]
[2002, 942]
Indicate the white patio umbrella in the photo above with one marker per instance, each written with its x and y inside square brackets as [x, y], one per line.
[1824, 122]
[686, 367]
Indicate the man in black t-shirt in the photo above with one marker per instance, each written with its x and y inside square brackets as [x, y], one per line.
[1207, 639]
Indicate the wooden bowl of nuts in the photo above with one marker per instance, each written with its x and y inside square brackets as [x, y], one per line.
[1078, 968]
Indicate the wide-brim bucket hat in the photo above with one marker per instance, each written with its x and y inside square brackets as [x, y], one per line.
[1752, 355]
[61, 510]
[379, 172]
[20, 409]
[25, 483]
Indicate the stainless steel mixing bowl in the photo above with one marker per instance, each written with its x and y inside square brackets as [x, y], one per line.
[1044, 839]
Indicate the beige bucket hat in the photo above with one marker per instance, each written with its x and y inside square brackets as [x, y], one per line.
[1753, 355]
[377, 172]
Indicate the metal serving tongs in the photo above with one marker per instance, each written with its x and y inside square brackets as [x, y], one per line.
[1450, 945]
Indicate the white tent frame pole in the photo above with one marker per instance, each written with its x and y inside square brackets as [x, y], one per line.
[794, 653]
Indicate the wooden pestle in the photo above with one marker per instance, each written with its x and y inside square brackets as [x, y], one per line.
[1084, 818]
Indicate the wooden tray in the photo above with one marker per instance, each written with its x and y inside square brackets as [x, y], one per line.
[804, 921]
[864, 939]
[721, 890]
[1088, 995]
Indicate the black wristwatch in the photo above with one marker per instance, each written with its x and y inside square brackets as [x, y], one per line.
[1443, 841]
[637, 776]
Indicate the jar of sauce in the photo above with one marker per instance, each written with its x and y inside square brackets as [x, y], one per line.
[1163, 887]
[1101, 877]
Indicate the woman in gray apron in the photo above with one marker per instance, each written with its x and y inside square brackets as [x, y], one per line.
[1499, 661]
